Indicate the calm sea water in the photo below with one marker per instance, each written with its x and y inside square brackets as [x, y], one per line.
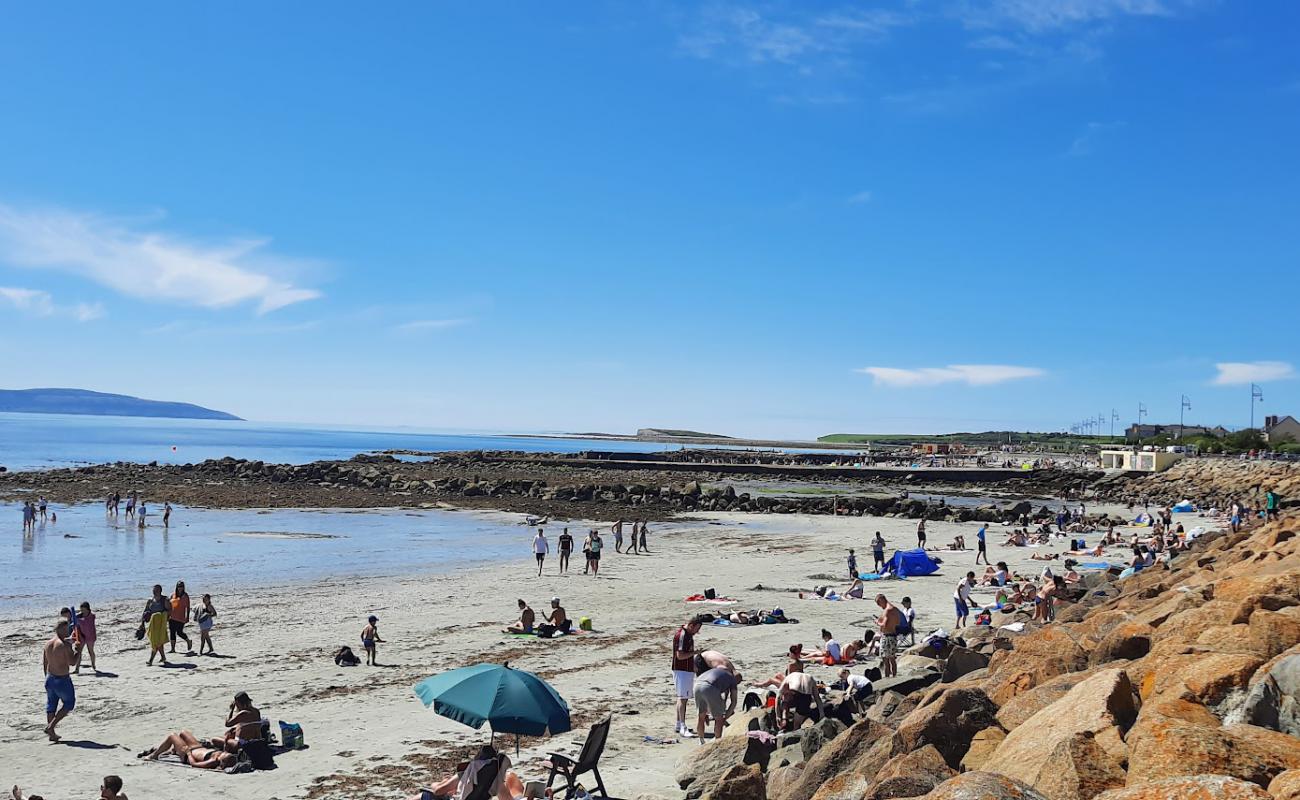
[89, 556]
[42, 441]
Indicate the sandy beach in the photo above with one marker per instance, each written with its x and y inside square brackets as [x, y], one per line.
[368, 735]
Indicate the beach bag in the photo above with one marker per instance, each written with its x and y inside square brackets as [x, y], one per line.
[290, 736]
[584, 623]
[710, 593]
[139, 632]
[259, 752]
[546, 631]
[346, 658]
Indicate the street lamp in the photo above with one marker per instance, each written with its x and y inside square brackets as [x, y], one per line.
[1256, 395]
[1184, 404]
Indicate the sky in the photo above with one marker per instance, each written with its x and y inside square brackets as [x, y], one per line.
[759, 219]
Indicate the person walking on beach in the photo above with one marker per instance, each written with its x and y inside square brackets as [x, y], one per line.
[888, 621]
[42, 506]
[154, 621]
[167, 515]
[982, 545]
[178, 614]
[56, 662]
[644, 548]
[961, 599]
[83, 636]
[596, 545]
[636, 531]
[878, 553]
[684, 670]
[617, 529]
[130, 507]
[920, 534]
[566, 549]
[369, 636]
[586, 553]
[540, 548]
[140, 513]
[206, 615]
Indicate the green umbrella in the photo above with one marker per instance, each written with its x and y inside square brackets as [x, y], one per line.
[509, 700]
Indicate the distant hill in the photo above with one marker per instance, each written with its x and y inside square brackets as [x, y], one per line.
[671, 433]
[81, 401]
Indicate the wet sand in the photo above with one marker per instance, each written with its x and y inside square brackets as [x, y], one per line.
[370, 738]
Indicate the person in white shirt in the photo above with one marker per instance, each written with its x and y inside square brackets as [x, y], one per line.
[961, 598]
[540, 548]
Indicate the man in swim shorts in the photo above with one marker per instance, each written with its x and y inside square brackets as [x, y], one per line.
[684, 670]
[57, 660]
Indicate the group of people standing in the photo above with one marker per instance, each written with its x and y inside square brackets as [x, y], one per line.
[592, 546]
[33, 510]
[164, 620]
[136, 509]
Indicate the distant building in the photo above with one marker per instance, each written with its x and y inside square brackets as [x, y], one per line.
[1136, 433]
[1139, 460]
[1277, 429]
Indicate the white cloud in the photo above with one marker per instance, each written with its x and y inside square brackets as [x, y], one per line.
[970, 374]
[860, 198]
[430, 325]
[744, 35]
[149, 264]
[41, 304]
[1043, 16]
[1237, 373]
[1085, 142]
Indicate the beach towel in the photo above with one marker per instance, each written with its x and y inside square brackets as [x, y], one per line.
[869, 576]
[157, 629]
[1094, 565]
[716, 601]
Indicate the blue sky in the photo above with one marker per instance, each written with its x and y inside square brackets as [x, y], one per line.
[758, 219]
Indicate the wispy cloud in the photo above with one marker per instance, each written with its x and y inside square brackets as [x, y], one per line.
[1238, 373]
[418, 325]
[859, 198]
[1086, 142]
[40, 303]
[970, 374]
[1042, 16]
[149, 264]
[798, 39]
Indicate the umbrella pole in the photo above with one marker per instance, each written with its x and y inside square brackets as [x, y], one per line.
[516, 745]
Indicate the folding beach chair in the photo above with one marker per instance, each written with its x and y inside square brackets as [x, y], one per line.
[587, 761]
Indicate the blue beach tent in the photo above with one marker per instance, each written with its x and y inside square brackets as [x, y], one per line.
[910, 563]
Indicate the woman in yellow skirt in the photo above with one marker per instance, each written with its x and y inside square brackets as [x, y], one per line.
[155, 622]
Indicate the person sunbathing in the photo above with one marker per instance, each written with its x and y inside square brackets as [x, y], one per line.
[958, 543]
[506, 785]
[1016, 539]
[1044, 556]
[243, 721]
[526, 619]
[191, 751]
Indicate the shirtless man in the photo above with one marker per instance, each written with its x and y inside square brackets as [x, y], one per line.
[889, 621]
[243, 721]
[713, 658]
[110, 788]
[797, 699]
[526, 619]
[57, 660]
[557, 615]
[617, 530]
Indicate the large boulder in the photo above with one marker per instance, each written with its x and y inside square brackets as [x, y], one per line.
[948, 719]
[1273, 700]
[982, 747]
[840, 756]
[910, 775]
[962, 661]
[1102, 706]
[1078, 768]
[1037, 658]
[818, 734]
[1198, 787]
[1196, 674]
[983, 786]
[1286, 785]
[701, 769]
[1023, 706]
[781, 779]
[741, 782]
[1175, 738]
[1126, 641]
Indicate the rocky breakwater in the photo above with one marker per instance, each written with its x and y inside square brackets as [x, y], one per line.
[1179, 683]
[1210, 482]
[467, 479]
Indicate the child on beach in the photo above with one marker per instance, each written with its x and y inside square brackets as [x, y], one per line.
[205, 615]
[369, 636]
[853, 565]
[83, 636]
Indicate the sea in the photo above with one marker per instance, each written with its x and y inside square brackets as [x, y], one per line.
[238, 548]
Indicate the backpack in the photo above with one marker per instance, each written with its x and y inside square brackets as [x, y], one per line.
[259, 753]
